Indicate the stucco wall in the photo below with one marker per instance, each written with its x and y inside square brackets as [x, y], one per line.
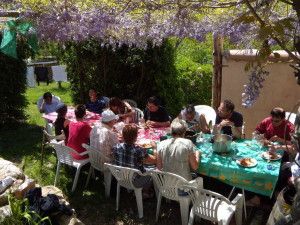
[280, 89]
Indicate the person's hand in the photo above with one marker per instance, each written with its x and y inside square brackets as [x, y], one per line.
[153, 144]
[226, 122]
[272, 149]
[150, 123]
[275, 138]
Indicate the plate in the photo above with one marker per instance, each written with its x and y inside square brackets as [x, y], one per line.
[271, 157]
[247, 162]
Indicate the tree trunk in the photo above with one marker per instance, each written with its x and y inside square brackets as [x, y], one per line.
[217, 71]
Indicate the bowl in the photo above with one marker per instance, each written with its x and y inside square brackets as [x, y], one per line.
[192, 135]
[221, 143]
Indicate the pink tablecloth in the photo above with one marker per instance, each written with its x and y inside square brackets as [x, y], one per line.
[90, 117]
[151, 134]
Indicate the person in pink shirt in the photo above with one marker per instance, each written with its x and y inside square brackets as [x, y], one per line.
[275, 127]
[79, 133]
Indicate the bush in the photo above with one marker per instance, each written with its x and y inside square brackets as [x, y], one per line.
[194, 66]
[13, 85]
[124, 72]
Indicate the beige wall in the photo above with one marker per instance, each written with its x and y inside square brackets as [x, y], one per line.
[280, 89]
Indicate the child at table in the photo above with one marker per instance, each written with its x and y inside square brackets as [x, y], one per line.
[61, 124]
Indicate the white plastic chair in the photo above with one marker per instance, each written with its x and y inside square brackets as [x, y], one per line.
[139, 114]
[209, 112]
[167, 185]
[97, 160]
[290, 116]
[124, 176]
[48, 139]
[214, 207]
[64, 157]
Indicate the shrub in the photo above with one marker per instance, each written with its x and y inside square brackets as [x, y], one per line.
[124, 72]
[13, 85]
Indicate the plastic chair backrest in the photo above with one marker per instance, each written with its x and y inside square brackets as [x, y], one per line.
[97, 159]
[124, 175]
[64, 153]
[131, 102]
[290, 116]
[50, 137]
[139, 114]
[209, 112]
[206, 203]
[168, 183]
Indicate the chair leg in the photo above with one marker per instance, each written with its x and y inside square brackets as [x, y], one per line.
[57, 173]
[158, 206]
[89, 176]
[118, 197]
[239, 212]
[184, 210]
[76, 179]
[139, 201]
[192, 217]
[107, 182]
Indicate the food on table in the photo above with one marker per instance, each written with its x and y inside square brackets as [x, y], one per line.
[271, 155]
[145, 145]
[247, 162]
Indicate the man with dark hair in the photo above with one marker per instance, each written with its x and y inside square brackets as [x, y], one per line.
[79, 133]
[156, 115]
[228, 121]
[275, 127]
[48, 103]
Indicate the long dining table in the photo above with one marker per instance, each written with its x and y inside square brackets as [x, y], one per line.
[260, 179]
[90, 117]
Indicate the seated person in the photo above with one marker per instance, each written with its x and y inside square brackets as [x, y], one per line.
[96, 104]
[228, 121]
[194, 121]
[48, 103]
[156, 115]
[275, 127]
[128, 154]
[122, 109]
[102, 136]
[178, 155]
[79, 133]
[61, 123]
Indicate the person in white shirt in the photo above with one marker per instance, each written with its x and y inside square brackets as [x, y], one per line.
[102, 136]
[48, 103]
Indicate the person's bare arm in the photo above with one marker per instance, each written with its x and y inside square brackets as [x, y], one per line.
[194, 158]
[150, 123]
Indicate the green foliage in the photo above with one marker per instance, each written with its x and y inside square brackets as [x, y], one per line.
[123, 72]
[20, 213]
[194, 67]
[13, 85]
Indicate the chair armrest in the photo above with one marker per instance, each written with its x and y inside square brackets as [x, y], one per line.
[196, 183]
[237, 199]
[82, 153]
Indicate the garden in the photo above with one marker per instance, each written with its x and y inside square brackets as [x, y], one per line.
[132, 50]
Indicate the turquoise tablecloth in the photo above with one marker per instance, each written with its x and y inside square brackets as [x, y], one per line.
[261, 179]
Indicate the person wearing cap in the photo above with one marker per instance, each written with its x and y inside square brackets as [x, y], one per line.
[79, 133]
[61, 123]
[155, 115]
[194, 120]
[48, 103]
[102, 136]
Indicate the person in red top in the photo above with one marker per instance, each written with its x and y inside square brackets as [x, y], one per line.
[79, 133]
[273, 127]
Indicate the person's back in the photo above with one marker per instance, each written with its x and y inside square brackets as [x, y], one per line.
[175, 156]
[79, 133]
